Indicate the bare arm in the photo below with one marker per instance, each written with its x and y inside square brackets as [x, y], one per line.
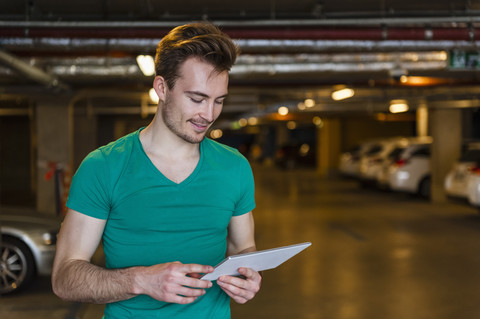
[241, 239]
[241, 235]
[75, 278]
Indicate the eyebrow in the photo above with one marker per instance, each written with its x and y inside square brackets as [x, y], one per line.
[205, 95]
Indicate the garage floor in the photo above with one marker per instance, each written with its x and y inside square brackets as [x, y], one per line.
[373, 255]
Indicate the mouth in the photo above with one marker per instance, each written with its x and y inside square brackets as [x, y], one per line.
[200, 126]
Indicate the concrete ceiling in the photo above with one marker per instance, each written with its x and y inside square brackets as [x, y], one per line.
[291, 50]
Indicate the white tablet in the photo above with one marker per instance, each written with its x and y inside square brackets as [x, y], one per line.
[258, 260]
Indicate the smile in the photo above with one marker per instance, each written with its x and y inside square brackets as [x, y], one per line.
[199, 126]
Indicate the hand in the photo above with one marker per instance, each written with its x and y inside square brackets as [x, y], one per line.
[239, 289]
[173, 282]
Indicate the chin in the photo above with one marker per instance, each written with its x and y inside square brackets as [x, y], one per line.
[194, 139]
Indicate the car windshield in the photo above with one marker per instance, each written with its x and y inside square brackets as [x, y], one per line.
[395, 153]
[374, 149]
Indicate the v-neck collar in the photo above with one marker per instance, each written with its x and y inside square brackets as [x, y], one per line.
[159, 173]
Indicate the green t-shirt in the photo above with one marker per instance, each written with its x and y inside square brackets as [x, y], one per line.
[152, 220]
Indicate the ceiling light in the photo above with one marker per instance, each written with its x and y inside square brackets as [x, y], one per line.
[283, 110]
[309, 103]
[252, 120]
[398, 106]
[216, 133]
[342, 94]
[146, 64]
[301, 106]
[317, 121]
[242, 122]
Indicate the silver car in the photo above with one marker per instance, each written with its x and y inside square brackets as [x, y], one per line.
[27, 247]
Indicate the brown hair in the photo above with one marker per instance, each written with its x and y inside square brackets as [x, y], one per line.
[201, 40]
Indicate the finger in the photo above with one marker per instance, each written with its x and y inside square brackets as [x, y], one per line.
[234, 281]
[189, 292]
[194, 282]
[196, 268]
[232, 291]
[237, 299]
[249, 273]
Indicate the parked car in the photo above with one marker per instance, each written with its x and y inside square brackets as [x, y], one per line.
[382, 176]
[473, 186]
[411, 172]
[27, 247]
[373, 161]
[457, 178]
[349, 165]
[383, 173]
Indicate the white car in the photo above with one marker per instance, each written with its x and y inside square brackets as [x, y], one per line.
[473, 186]
[383, 178]
[350, 160]
[373, 161]
[411, 173]
[457, 178]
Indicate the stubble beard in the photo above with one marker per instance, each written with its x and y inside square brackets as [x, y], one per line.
[171, 123]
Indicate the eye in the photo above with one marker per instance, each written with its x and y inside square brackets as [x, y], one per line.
[219, 102]
[196, 101]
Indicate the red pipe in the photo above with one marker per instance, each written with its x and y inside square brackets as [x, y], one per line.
[311, 33]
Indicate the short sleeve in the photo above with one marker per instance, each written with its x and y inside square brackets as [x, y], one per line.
[89, 192]
[246, 202]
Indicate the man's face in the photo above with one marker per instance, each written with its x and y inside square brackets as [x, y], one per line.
[195, 101]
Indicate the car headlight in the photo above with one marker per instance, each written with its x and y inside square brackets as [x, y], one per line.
[49, 238]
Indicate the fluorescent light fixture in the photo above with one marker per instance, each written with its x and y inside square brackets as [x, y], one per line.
[146, 64]
[342, 94]
[398, 106]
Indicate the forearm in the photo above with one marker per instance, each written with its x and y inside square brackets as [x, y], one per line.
[81, 281]
[232, 250]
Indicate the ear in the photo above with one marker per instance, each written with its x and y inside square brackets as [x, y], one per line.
[160, 87]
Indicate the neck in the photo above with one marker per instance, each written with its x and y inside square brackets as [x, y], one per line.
[158, 140]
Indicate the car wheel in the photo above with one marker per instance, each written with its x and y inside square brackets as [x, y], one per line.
[424, 188]
[16, 265]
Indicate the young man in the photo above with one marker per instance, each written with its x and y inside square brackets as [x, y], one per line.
[167, 202]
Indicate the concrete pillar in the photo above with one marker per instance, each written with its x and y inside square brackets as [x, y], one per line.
[85, 137]
[54, 133]
[422, 120]
[446, 129]
[328, 146]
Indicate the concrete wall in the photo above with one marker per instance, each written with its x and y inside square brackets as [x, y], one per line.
[53, 131]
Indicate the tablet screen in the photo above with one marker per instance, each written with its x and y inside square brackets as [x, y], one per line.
[258, 260]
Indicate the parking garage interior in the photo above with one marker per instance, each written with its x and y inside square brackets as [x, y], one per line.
[70, 82]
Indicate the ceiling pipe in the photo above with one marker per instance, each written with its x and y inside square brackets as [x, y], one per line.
[31, 46]
[31, 72]
[334, 22]
[378, 33]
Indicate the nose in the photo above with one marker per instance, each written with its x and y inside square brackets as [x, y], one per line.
[208, 112]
